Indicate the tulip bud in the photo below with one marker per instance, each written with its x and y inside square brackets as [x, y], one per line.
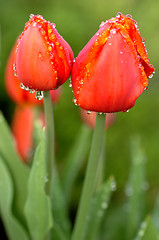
[112, 70]
[19, 94]
[43, 58]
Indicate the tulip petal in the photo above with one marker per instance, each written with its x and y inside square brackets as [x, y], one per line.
[118, 71]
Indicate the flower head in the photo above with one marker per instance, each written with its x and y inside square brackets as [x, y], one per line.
[17, 94]
[112, 70]
[43, 58]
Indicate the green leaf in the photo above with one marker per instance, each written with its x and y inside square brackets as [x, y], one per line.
[14, 229]
[155, 213]
[38, 207]
[135, 189]
[147, 231]
[57, 234]
[60, 211]
[75, 160]
[19, 171]
[98, 207]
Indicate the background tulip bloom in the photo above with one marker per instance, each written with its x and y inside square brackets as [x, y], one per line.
[43, 58]
[112, 70]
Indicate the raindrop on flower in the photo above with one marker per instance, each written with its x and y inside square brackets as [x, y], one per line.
[88, 112]
[151, 75]
[118, 14]
[31, 90]
[22, 86]
[39, 95]
[75, 101]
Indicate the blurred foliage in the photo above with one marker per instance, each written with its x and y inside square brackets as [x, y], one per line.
[77, 21]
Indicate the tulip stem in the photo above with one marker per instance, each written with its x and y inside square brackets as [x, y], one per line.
[50, 149]
[90, 178]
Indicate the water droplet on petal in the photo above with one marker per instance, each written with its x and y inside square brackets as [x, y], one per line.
[113, 31]
[102, 23]
[39, 95]
[70, 85]
[31, 15]
[75, 101]
[128, 15]
[31, 90]
[88, 112]
[151, 76]
[118, 14]
[22, 86]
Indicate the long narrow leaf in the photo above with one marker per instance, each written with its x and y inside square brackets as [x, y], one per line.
[147, 231]
[14, 229]
[135, 188]
[75, 159]
[18, 170]
[38, 207]
[97, 209]
[59, 208]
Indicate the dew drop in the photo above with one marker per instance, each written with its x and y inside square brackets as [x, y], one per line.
[113, 186]
[104, 205]
[49, 48]
[40, 55]
[121, 52]
[75, 101]
[15, 73]
[74, 60]
[151, 76]
[53, 25]
[129, 191]
[128, 15]
[88, 112]
[22, 86]
[118, 14]
[39, 95]
[100, 113]
[31, 90]
[113, 31]
[102, 23]
[31, 15]
[34, 24]
[46, 179]
[70, 85]
[145, 186]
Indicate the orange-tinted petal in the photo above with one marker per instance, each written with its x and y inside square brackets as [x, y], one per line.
[109, 74]
[43, 59]
[22, 128]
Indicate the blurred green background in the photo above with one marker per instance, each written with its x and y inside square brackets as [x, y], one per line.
[77, 21]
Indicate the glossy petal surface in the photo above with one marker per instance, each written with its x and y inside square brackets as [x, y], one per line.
[111, 72]
[43, 58]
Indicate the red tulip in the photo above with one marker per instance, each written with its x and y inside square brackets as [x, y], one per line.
[90, 119]
[18, 95]
[22, 128]
[43, 58]
[112, 70]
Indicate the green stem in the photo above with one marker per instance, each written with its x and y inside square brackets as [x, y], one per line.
[50, 149]
[90, 178]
